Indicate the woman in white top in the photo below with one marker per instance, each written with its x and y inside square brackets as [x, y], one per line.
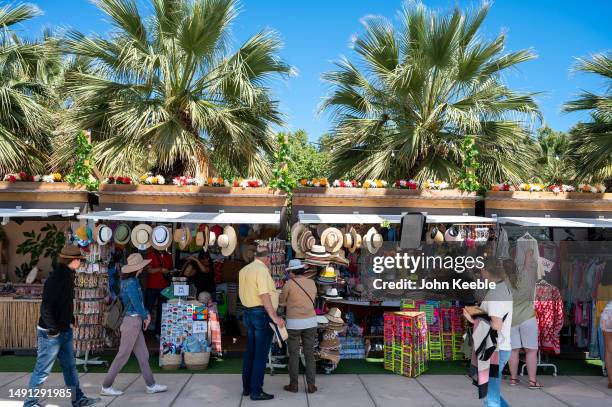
[497, 304]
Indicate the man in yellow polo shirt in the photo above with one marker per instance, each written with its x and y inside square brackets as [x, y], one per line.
[259, 297]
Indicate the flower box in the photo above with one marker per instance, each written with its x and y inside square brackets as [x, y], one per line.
[26, 191]
[562, 204]
[169, 194]
[410, 199]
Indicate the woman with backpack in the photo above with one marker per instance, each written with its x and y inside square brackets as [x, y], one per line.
[136, 319]
[298, 297]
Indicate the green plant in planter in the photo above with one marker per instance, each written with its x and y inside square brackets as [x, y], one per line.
[468, 180]
[281, 177]
[83, 164]
[47, 243]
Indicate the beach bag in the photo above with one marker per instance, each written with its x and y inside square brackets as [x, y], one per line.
[114, 316]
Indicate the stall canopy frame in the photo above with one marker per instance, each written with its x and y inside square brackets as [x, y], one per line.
[36, 213]
[555, 222]
[186, 217]
[362, 219]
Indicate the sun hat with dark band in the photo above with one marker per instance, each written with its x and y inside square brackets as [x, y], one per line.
[71, 252]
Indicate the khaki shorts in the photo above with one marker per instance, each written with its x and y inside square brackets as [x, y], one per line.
[525, 335]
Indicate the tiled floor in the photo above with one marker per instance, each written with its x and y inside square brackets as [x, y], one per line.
[334, 390]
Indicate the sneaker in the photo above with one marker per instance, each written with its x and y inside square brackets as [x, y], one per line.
[87, 402]
[109, 391]
[157, 388]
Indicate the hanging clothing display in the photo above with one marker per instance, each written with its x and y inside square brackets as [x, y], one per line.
[527, 259]
[549, 313]
[502, 249]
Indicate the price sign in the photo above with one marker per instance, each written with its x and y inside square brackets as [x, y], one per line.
[547, 265]
[200, 327]
[181, 290]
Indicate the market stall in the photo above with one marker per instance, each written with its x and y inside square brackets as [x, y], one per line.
[571, 228]
[203, 234]
[35, 214]
[355, 224]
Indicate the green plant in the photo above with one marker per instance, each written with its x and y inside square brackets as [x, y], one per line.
[47, 243]
[83, 164]
[468, 180]
[281, 178]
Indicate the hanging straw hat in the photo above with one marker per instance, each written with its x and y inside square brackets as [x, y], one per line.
[183, 237]
[339, 258]
[103, 234]
[160, 238]
[332, 239]
[356, 237]
[135, 262]
[453, 234]
[71, 252]
[122, 234]
[347, 240]
[373, 240]
[435, 234]
[306, 241]
[296, 230]
[227, 241]
[141, 236]
[321, 228]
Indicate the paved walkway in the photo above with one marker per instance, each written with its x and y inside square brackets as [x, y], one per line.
[221, 390]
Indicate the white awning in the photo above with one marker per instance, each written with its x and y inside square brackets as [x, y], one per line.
[186, 217]
[557, 222]
[36, 213]
[347, 218]
[440, 219]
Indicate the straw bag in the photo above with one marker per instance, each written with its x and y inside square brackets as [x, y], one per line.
[197, 360]
[171, 361]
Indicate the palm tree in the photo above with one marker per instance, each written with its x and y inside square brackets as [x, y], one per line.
[29, 71]
[591, 142]
[552, 157]
[403, 109]
[167, 93]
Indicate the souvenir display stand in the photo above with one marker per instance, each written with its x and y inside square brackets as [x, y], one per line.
[90, 294]
[37, 203]
[573, 233]
[406, 343]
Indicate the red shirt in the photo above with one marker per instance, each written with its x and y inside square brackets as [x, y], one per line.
[158, 259]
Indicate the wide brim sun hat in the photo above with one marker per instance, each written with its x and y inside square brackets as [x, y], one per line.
[317, 251]
[356, 237]
[227, 241]
[141, 236]
[135, 262]
[296, 231]
[161, 238]
[332, 239]
[183, 237]
[453, 234]
[373, 240]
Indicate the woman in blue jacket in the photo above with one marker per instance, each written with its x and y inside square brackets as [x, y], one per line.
[136, 319]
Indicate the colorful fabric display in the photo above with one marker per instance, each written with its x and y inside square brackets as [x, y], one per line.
[550, 315]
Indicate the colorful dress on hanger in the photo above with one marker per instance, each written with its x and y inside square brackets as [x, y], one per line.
[549, 313]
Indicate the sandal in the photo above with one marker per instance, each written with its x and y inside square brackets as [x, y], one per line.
[514, 382]
[534, 385]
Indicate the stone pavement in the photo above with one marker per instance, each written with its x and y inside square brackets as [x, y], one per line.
[221, 390]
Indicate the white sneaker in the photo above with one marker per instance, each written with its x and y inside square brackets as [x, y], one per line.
[157, 388]
[109, 391]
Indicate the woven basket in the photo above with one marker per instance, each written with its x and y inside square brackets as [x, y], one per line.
[197, 360]
[170, 362]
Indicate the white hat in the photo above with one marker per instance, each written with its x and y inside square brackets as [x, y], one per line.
[161, 238]
[103, 234]
[227, 241]
[373, 240]
[294, 264]
[141, 236]
[317, 251]
[332, 294]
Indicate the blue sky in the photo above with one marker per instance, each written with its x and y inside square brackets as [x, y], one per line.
[316, 32]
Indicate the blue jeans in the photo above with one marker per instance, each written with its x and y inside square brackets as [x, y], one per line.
[494, 397]
[259, 339]
[51, 348]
